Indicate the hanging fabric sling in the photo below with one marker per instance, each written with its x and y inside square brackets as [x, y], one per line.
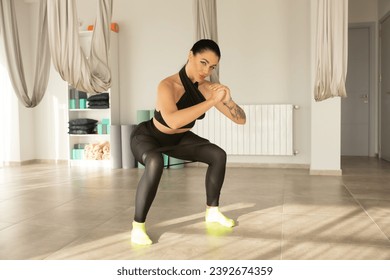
[90, 74]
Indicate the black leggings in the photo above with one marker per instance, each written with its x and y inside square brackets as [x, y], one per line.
[148, 144]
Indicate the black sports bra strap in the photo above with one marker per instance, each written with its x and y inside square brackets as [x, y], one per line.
[195, 96]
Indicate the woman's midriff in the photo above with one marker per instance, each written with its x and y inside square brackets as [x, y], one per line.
[167, 130]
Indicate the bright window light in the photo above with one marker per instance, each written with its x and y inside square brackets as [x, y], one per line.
[6, 107]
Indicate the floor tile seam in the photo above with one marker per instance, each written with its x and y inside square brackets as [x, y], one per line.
[7, 227]
[324, 197]
[375, 187]
[88, 211]
[281, 239]
[332, 216]
[336, 242]
[41, 212]
[25, 190]
[359, 197]
[65, 246]
[322, 214]
[32, 224]
[19, 195]
[69, 183]
[372, 218]
[332, 258]
[282, 222]
[87, 232]
[118, 212]
[227, 237]
[48, 254]
[347, 238]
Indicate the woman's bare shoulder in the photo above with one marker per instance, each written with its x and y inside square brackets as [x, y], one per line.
[170, 83]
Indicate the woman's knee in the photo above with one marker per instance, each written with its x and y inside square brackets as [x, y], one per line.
[217, 155]
[153, 161]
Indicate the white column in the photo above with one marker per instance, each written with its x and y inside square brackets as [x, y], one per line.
[325, 123]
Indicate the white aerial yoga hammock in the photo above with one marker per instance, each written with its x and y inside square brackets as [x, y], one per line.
[332, 49]
[58, 28]
[90, 74]
[10, 36]
[205, 15]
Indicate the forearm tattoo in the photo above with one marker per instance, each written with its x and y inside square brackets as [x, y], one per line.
[236, 111]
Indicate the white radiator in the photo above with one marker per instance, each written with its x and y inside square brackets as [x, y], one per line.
[268, 130]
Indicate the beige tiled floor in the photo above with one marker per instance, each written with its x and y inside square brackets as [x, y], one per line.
[57, 212]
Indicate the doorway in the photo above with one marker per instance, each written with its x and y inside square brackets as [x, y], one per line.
[385, 88]
[356, 109]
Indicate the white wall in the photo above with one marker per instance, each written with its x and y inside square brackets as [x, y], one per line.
[154, 42]
[265, 47]
[363, 10]
[325, 121]
[325, 137]
[383, 8]
[52, 120]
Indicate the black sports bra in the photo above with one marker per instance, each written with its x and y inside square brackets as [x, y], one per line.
[191, 97]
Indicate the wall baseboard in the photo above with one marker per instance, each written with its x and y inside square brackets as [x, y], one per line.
[256, 165]
[326, 172]
[34, 161]
[52, 161]
[199, 164]
[19, 163]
